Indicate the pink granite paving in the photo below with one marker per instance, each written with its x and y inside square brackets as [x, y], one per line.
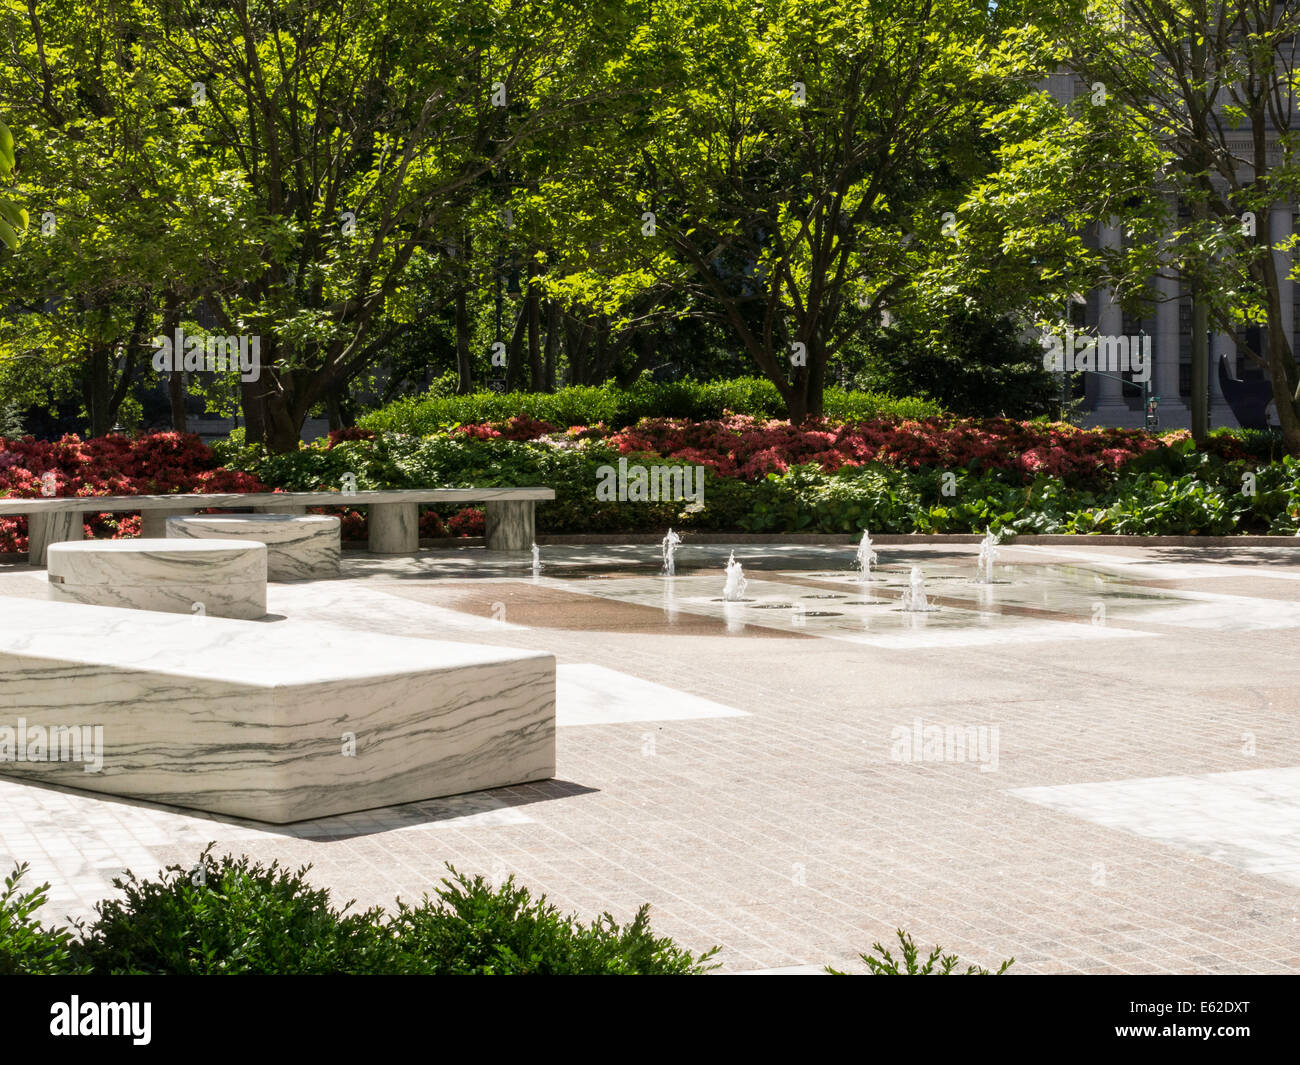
[792, 834]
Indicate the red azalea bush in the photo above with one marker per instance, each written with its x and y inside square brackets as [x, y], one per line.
[521, 427]
[750, 448]
[467, 522]
[157, 464]
[352, 432]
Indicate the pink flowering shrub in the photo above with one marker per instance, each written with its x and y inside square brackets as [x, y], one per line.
[468, 522]
[521, 427]
[750, 448]
[354, 432]
[157, 464]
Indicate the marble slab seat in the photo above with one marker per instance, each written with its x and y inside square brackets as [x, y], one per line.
[298, 546]
[393, 515]
[221, 578]
[271, 721]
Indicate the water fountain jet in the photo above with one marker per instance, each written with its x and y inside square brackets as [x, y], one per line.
[865, 556]
[913, 599]
[669, 548]
[988, 555]
[734, 590]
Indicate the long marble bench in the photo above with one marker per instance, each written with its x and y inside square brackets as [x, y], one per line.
[272, 721]
[393, 514]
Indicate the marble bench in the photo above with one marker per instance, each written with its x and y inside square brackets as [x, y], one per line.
[223, 578]
[298, 546]
[271, 721]
[393, 514]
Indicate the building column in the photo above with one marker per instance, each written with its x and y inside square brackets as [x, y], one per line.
[1110, 408]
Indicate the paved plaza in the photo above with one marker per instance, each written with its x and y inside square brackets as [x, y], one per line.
[1092, 764]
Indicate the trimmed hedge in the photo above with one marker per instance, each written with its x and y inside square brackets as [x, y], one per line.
[619, 407]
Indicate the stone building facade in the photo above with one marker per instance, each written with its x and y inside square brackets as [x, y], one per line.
[1112, 402]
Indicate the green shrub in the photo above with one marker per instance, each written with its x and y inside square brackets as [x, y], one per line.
[619, 407]
[232, 917]
[969, 361]
[1170, 490]
[26, 947]
[885, 965]
[474, 929]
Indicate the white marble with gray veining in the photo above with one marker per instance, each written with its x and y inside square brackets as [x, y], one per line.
[256, 720]
[298, 547]
[394, 528]
[219, 578]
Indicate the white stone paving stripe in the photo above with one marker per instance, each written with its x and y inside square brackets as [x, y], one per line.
[1249, 819]
[588, 694]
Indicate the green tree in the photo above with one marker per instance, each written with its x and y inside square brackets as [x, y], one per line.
[366, 134]
[788, 150]
[131, 213]
[13, 219]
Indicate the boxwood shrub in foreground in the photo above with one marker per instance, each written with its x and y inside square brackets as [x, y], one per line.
[937, 964]
[233, 916]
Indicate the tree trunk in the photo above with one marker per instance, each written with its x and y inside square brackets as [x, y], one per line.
[796, 406]
[283, 427]
[96, 391]
[464, 367]
[577, 338]
[1200, 397]
[1280, 360]
[175, 378]
[534, 327]
[515, 350]
[552, 342]
[602, 344]
[250, 399]
[176, 400]
[815, 389]
[643, 355]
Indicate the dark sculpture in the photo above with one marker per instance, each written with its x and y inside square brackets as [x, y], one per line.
[1248, 399]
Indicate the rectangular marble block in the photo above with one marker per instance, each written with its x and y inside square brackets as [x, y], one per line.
[221, 578]
[256, 719]
[299, 547]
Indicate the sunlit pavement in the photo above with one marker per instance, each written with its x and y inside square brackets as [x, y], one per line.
[1092, 764]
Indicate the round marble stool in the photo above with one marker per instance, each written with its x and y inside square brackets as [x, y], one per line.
[299, 546]
[223, 578]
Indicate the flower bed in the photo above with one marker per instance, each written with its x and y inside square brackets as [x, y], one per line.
[750, 448]
[760, 475]
[157, 464]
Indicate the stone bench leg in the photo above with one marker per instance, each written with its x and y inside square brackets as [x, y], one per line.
[153, 523]
[394, 528]
[510, 525]
[51, 527]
